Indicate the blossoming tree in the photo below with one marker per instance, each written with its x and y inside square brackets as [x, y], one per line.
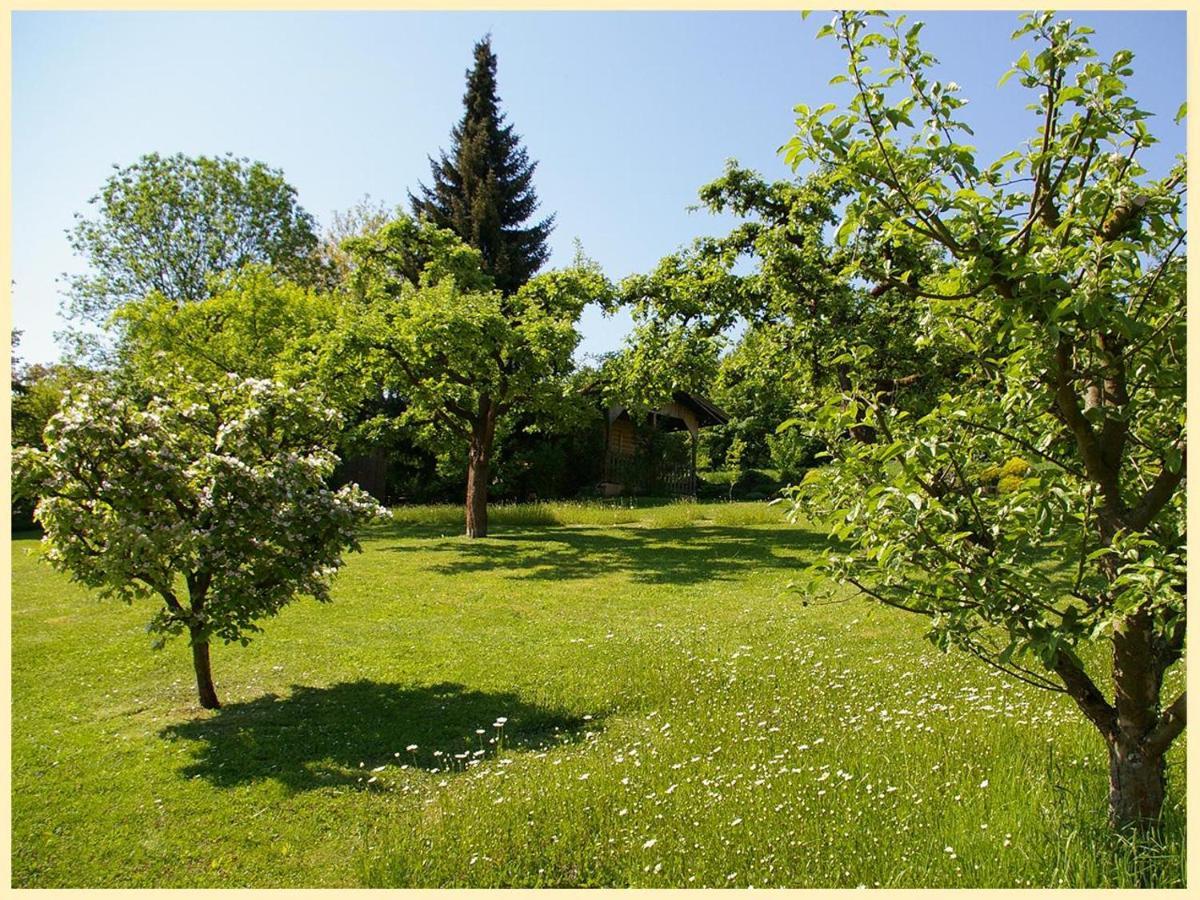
[210, 499]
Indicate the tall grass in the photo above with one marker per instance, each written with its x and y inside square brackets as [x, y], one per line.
[641, 512]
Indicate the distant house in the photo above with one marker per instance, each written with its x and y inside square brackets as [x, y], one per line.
[630, 468]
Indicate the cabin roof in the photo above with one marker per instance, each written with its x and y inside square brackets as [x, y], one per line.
[706, 412]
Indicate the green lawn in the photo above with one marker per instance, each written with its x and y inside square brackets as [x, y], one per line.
[676, 716]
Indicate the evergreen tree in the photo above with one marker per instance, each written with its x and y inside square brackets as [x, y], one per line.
[483, 188]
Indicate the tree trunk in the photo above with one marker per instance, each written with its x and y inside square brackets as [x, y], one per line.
[1136, 785]
[1134, 727]
[1137, 778]
[478, 472]
[204, 680]
[479, 466]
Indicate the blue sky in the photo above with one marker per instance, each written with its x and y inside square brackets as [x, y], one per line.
[628, 114]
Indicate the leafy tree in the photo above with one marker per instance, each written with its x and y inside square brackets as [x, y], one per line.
[793, 452]
[363, 218]
[220, 486]
[735, 462]
[676, 340]
[803, 298]
[259, 325]
[167, 224]
[37, 394]
[656, 361]
[483, 188]
[808, 296]
[255, 325]
[426, 324]
[1059, 271]
[761, 383]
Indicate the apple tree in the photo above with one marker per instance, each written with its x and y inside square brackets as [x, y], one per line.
[1036, 512]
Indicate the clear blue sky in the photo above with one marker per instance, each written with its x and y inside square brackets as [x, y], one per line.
[628, 114]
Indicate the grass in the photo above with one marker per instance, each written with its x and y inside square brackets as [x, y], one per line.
[673, 716]
[646, 512]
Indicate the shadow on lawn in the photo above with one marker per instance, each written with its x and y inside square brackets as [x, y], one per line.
[684, 555]
[318, 737]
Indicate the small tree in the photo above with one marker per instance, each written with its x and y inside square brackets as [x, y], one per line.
[1038, 506]
[210, 499]
[426, 324]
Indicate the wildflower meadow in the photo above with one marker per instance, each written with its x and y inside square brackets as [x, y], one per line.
[595, 695]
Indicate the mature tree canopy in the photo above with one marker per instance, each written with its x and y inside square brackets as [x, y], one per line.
[167, 224]
[803, 295]
[1039, 504]
[255, 325]
[483, 188]
[220, 485]
[427, 324]
[761, 383]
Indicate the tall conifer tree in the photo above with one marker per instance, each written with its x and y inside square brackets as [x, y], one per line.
[483, 188]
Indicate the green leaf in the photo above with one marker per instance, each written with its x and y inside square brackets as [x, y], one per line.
[844, 231]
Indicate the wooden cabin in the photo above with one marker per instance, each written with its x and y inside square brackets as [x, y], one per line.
[625, 439]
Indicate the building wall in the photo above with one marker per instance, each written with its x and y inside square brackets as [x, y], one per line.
[621, 438]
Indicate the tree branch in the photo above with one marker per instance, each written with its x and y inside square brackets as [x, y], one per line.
[1085, 436]
[1012, 670]
[1158, 495]
[933, 223]
[1085, 693]
[1170, 726]
[1024, 445]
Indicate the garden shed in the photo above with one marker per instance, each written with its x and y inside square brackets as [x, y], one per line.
[634, 459]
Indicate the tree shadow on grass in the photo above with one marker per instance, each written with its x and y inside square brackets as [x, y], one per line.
[334, 736]
[685, 555]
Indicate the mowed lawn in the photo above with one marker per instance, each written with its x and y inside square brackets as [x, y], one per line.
[597, 696]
